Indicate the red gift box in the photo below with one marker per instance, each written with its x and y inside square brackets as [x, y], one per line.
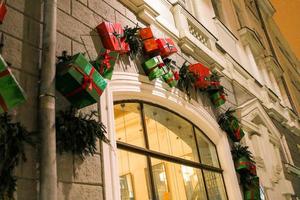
[150, 46]
[146, 33]
[3, 11]
[166, 47]
[201, 74]
[112, 37]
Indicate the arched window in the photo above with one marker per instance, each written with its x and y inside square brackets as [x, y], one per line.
[163, 156]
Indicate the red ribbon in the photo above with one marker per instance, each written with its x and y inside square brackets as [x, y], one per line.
[176, 75]
[222, 97]
[215, 83]
[87, 82]
[2, 102]
[105, 62]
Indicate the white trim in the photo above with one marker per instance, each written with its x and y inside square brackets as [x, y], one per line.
[133, 86]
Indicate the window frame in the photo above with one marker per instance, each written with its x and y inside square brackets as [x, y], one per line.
[146, 151]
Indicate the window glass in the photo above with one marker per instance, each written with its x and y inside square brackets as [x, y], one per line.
[170, 134]
[128, 124]
[214, 185]
[132, 173]
[207, 149]
[177, 182]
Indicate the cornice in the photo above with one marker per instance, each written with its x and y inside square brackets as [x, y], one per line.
[250, 37]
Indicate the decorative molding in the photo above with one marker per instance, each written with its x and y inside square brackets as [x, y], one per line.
[273, 65]
[292, 169]
[250, 37]
[267, 6]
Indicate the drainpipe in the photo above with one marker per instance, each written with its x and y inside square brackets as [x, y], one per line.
[48, 174]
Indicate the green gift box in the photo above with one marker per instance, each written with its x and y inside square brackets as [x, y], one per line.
[169, 78]
[79, 81]
[242, 164]
[252, 192]
[232, 127]
[105, 63]
[153, 67]
[217, 98]
[11, 93]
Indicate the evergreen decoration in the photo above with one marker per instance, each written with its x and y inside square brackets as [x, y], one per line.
[65, 57]
[13, 137]
[135, 42]
[214, 82]
[77, 132]
[239, 151]
[186, 79]
[225, 117]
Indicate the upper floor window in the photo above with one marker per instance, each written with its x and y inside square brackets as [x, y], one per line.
[163, 156]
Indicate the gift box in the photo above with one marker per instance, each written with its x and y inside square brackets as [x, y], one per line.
[166, 47]
[150, 46]
[79, 81]
[233, 128]
[252, 192]
[105, 63]
[242, 164]
[146, 33]
[252, 169]
[3, 11]
[154, 67]
[217, 97]
[112, 37]
[11, 93]
[169, 78]
[201, 74]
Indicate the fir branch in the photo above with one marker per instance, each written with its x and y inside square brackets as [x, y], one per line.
[77, 133]
[132, 38]
[186, 79]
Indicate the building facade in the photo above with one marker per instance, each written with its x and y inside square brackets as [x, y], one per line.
[163, 144]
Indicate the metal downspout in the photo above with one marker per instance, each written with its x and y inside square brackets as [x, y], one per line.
[48, 171]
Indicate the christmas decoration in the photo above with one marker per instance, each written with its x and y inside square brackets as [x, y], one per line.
[3, 11]
[215, 90]
[186, 79]
[231, 126]
[252, 191]
[166, 47]
[242, 158]
[112, 36]
[13, 137]
[169, 76]
[105, 62]
[11, 93]
[77, 133]
[78, 80]
[153, 67]
[132, 38]
[201, 74]
[150, 44]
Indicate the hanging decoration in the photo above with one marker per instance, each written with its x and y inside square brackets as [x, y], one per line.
[134, 41]
[11, 93]
[112, 36]
[153, 67]
[13, 137]
[105, 63]
[3, 11]
[166, 47]
[215, 90]
[171, 76]
[149, 42]
[78, 80]
[201, 74]
[78, 133]
[230, 124]
[186, 79]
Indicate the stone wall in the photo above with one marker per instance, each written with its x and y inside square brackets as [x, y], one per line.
[76, 22]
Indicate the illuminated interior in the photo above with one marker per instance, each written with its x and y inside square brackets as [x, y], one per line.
[163, 155]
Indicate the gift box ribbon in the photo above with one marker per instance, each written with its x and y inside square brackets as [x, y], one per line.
[88, 82]
[2, 102]
[168, 45]
[222, 97]
[106, 58]
[160, 65]
[237, 132]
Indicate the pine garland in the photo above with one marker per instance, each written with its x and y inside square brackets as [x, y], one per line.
[134, 41]
[77, 133]
[186, 79]
[13, 136]
[239, 151]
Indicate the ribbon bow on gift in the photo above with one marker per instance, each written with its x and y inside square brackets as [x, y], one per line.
[87, 82]
[2, 102]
